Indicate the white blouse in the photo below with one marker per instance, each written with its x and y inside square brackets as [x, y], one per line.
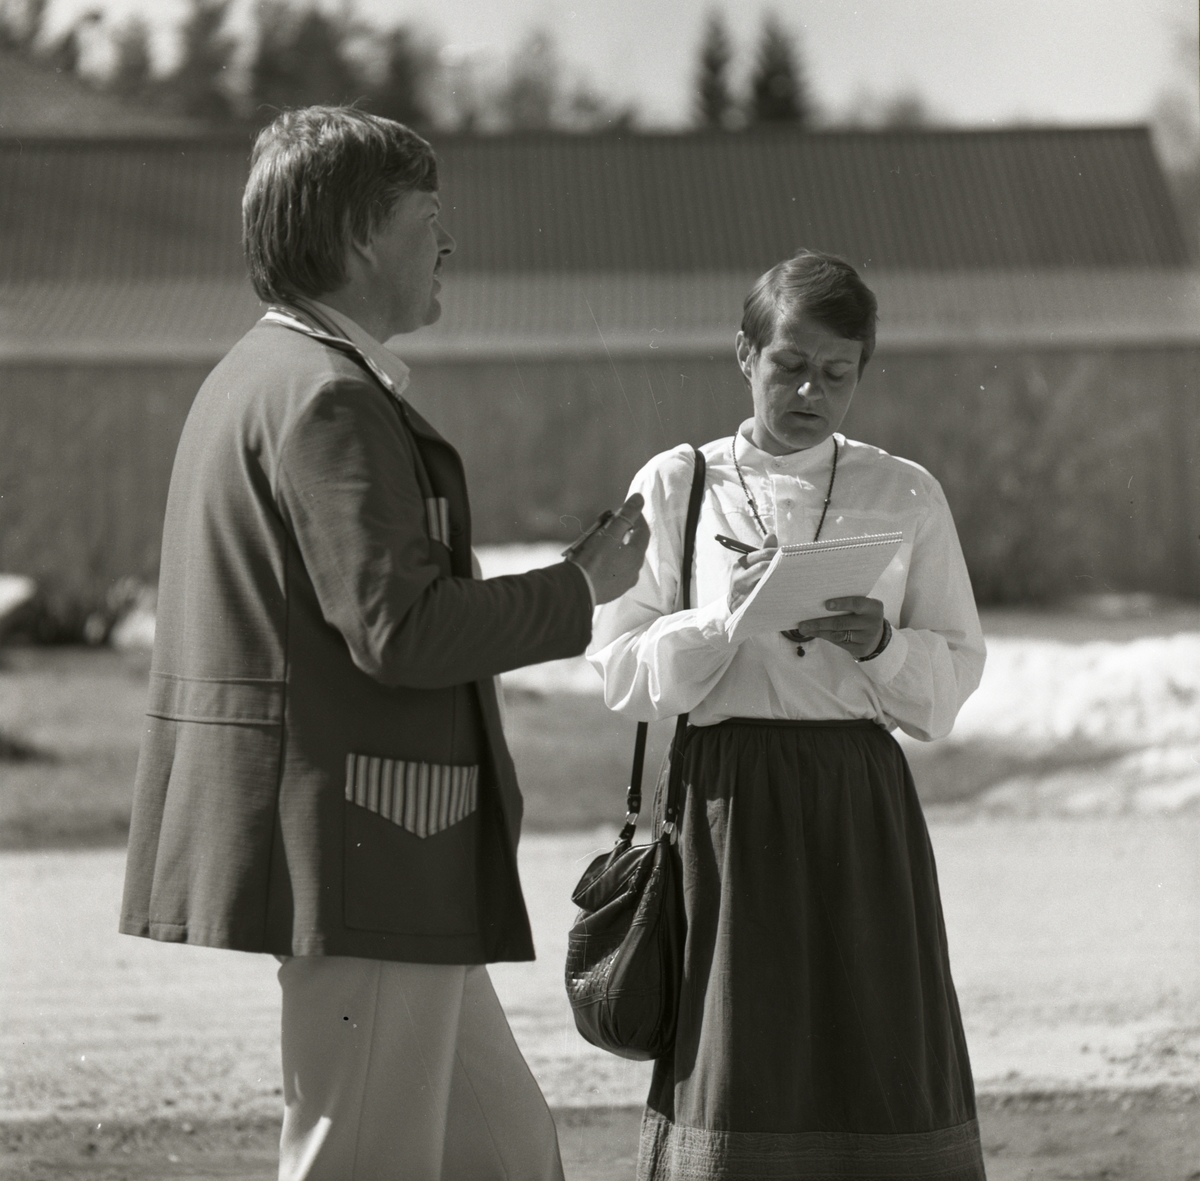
[658, 662]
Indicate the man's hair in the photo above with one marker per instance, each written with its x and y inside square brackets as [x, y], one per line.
[321, 178]
[822, 286]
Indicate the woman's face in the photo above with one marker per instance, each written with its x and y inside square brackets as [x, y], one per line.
[801, 382]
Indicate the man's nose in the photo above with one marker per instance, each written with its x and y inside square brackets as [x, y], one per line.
[446, 244]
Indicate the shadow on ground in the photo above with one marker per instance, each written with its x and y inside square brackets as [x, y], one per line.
[1147, 1136]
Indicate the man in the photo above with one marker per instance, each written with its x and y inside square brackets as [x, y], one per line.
[323, 774]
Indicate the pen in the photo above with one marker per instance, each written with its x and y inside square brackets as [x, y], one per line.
[738, 547]
[602, 520]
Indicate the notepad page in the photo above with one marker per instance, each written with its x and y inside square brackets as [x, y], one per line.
[801, 577]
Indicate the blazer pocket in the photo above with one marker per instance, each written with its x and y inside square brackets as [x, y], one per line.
[437, 519]
[421, 798]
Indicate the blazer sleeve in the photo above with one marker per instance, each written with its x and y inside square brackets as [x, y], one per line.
[346, 485]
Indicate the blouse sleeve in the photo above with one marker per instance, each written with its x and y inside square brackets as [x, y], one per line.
[658, 662]
[935, 659]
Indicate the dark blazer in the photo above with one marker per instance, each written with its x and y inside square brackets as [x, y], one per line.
[323, 770]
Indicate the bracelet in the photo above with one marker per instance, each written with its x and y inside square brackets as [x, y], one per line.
[884, 640]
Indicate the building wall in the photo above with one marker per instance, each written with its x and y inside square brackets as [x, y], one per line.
[1068, 470]
[85, 460]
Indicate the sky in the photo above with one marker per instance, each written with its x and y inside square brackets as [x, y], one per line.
[974, 62]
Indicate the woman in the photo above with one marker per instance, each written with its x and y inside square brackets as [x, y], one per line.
[819, 1032]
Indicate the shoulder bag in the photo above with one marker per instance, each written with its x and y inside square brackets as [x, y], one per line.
[625, 951]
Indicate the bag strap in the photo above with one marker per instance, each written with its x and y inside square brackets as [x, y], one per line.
[633, 798]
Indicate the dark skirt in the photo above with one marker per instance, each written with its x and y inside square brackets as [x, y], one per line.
[819, 1033]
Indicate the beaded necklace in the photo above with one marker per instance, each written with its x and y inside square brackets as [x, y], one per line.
[737, 467]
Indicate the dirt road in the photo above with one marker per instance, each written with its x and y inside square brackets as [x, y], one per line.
[1075, 946]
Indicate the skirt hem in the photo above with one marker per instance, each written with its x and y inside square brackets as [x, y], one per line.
[675, 1152]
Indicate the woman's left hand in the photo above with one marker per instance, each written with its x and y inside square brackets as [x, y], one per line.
[857, 632]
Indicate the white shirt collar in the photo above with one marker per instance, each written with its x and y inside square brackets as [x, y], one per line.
[795, 463]
[383, 357]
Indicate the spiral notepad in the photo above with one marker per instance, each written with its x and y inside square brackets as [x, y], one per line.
[801, 577]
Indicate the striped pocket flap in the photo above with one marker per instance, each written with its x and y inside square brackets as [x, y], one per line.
[423, 798]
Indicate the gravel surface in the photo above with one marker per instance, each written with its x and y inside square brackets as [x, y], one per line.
[1075, 945]
[1072, 902]
[1094, 1135]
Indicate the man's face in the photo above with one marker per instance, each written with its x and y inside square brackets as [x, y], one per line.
[801, 381]
[405, 257]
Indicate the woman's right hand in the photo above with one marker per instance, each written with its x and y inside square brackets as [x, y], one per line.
[748, 569]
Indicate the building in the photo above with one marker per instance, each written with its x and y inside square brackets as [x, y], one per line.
[38, 99]
[1038, 345]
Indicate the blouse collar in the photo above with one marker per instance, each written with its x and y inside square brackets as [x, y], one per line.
[795, 463]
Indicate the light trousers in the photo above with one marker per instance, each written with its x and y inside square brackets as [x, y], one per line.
[405, 1072]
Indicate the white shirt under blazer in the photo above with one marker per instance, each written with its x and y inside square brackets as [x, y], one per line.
[658, 662]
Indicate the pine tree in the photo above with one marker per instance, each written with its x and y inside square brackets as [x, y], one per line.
[905, 111]
[300, 59]
[21, 24]
[132, 71]
[778, 93]
[538, 97]
[398, 91]
[714, 103]
[587, 111]
[66, 50]
[199, 84]
[531, 99]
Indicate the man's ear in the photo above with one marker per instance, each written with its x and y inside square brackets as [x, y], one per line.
[363, 252]
[745, 352]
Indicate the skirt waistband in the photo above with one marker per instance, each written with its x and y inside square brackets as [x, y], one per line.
[800, 723]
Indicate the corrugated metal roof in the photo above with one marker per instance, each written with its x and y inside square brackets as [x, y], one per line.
[942, 200]
[37, 99]
[595, 313]
[631, 312]
[924, 200]
[121, 210]
[91, 319]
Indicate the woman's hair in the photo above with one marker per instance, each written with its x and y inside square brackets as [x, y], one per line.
[821, 286]
[321, 178]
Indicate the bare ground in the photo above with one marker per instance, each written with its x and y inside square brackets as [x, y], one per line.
[1089, 1136]
[1076, 947]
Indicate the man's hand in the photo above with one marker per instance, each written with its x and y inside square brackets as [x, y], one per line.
[857, 632]
[748, 569]
[612, 555]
